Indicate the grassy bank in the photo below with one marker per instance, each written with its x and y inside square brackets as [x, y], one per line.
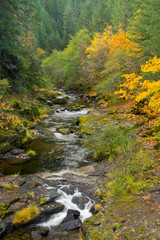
[131, 160]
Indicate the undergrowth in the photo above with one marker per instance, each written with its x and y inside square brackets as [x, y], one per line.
[132, 167]
[110, 142]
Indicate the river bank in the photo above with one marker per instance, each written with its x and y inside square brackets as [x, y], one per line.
[56, 147]
[130, 193]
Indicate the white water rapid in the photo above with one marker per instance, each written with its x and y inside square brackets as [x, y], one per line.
[67, 201]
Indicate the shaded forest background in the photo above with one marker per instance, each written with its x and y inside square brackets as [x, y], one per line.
[31, 30]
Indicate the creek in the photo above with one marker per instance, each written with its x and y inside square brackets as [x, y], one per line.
[55, 151]
[58, 154]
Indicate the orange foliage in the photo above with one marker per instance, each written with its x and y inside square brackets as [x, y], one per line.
[104, 48]
[107, 43]
[6, 120]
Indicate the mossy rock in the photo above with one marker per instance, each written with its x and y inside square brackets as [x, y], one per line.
[59, 100]
[92, 123]
[63, 131]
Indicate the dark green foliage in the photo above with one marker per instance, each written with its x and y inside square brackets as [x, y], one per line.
[30, 111]
[121, 13]
[18, 57]
[147, 25]
[56, 21]
[101, 16]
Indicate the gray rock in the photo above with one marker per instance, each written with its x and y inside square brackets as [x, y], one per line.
[60, 100]
[71, 221]
[35, 234]
[76, 213]
[80, 201]
[43, 231]
[71, 225]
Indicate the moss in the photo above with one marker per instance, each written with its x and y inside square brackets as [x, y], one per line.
[42, 201]
[29, 136]
[30, 195]
[31, 152]
[9, 186]
[131, 174]
[3, 210]
[17, 104]
[63, 131]
[30, 111]
[4, 207]
[94, 122]
[26, 215]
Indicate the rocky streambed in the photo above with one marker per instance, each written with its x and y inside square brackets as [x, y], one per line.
[62, 194]
[64, 200]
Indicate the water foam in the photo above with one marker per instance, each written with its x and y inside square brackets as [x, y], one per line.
[67, 201]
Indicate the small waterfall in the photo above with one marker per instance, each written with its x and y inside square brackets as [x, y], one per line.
[68, 201]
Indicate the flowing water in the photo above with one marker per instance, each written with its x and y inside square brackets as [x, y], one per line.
[58, 152]
[68, 201]
[55, 151]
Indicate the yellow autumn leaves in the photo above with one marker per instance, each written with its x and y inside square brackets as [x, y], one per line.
[135, 87]
[7, 120]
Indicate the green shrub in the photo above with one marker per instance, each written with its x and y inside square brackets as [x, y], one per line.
[4, 85]
[111, 141]
[31, 111]
[134, 176]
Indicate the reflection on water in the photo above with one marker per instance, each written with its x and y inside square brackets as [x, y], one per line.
[55, 151]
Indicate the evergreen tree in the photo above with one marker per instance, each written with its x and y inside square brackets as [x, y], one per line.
[147, 26]
[122, 12]
[85, 17]
[101, 16]
[69, 24]
[18, 47]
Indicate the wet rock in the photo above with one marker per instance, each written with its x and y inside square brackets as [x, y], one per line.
[11, 154]
[43, 231]
[76, 213]
[20, 159]
[63, 131]
[35, 234]
[45, 132]
[60, 100]
[71, 225]
[47, 210]
[80, 201]
[71, 215]
[71, 221]
[16, 157]
[60, 110]
[49, 103]
[6, 227]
